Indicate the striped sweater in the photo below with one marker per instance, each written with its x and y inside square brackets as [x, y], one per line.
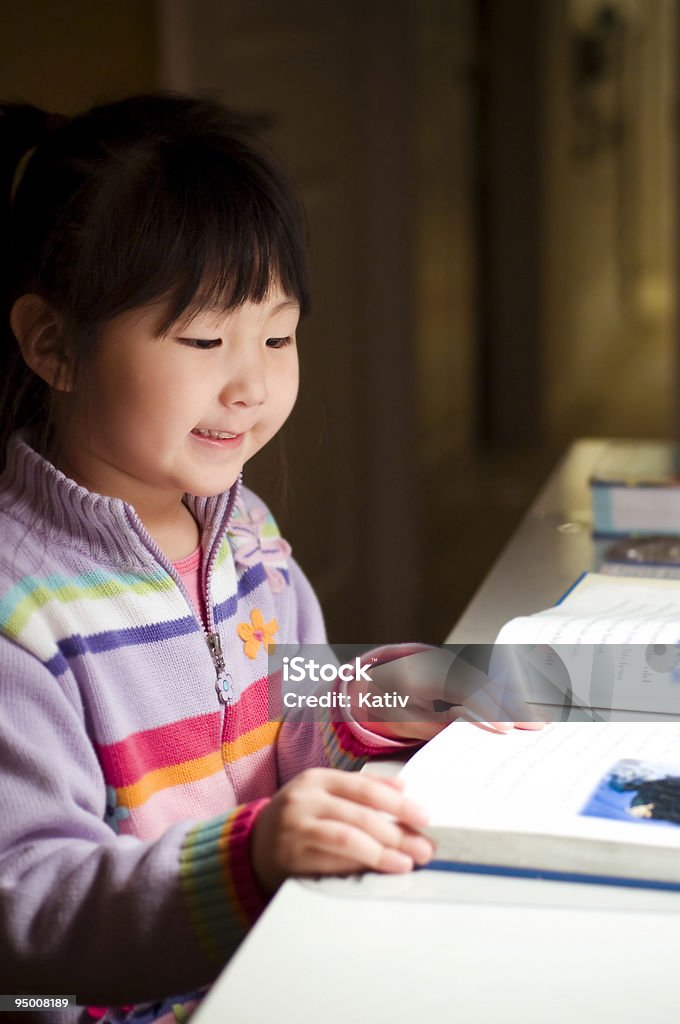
[133, 759]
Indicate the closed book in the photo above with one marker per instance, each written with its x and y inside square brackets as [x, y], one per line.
[635, 489]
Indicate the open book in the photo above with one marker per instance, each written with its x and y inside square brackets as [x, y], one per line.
[577, 801]
[611, 643]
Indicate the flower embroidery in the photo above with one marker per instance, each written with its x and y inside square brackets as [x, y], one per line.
[257, 540]
[115, 812]
[260, 632]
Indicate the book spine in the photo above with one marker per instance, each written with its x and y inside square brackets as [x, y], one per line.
[640, 511]
[549, 875]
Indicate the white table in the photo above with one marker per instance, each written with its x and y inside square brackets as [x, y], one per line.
[464, 948]
[444, 947]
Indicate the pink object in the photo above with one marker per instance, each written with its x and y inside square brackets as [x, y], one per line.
[97, 1012]
[252, 545]
[189, 569]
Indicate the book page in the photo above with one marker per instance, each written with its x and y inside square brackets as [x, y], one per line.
[616, 646]
[545, 780]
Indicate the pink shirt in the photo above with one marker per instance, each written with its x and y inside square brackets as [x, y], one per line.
[189, 569]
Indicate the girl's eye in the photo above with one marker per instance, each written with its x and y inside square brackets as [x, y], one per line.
[202, 343]
[278, 342]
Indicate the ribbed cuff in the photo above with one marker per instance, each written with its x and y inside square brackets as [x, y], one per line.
[222, 893]
[367, 739]
[375, 742]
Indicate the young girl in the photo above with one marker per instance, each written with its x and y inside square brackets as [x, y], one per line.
[153, 274]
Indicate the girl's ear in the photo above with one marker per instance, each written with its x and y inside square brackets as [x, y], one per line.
[38, 329]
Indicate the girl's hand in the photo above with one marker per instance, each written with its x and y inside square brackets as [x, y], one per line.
[328, 822]
[442, 685]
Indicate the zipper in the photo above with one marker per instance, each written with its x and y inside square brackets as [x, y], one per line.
[224, 683]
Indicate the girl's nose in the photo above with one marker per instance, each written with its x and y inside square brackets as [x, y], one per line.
[246, 383]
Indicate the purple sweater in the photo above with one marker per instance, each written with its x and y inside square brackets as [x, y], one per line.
[133, 758]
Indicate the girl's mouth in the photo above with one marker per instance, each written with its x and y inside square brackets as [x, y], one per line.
[216, 438]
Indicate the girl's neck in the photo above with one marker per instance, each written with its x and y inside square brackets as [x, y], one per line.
[176, 538]
[168, 520]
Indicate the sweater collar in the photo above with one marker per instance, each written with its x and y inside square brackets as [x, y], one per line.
[107, 529]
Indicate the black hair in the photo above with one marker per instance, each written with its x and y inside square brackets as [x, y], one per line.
[155, 198]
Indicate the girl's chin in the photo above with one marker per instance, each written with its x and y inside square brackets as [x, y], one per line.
[210, 488]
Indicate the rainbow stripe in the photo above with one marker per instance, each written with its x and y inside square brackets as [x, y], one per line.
[222, 894]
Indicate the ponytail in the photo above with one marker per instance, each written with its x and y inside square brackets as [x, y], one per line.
[23, 395]
[22, 128]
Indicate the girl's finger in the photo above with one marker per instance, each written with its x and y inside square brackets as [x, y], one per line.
[395, 781]
[374, 792]
[320, 862]
[425, 728]
[354, 844]
[385, 830]
[502, 707]
[484, 713]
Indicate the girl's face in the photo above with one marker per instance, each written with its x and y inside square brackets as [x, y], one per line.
[142, 430]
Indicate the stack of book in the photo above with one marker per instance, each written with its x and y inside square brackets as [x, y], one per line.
[635, 490]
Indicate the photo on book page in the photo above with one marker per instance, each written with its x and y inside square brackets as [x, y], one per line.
[638, 791]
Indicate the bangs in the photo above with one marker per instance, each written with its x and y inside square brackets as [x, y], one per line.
[234, 240]
[200, 223]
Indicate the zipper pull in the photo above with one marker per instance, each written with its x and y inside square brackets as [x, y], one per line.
[225, 689]
[224, 684]
[215, 645]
